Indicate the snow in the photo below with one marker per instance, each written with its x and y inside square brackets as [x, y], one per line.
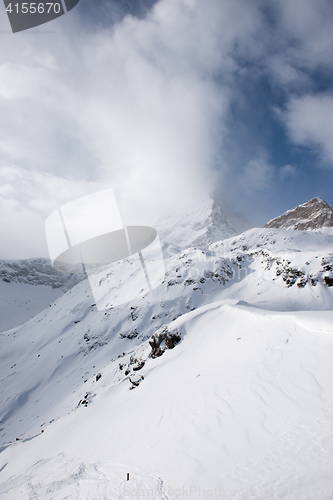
[239, 405]
[20, 302]
[243, 402]
[202, 223]
[27, 287]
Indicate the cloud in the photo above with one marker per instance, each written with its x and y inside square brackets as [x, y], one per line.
[287, 171]
[146, 105]
[307, 27]
[26, 200]
[137, 107]
[256, 175]
[309, 120]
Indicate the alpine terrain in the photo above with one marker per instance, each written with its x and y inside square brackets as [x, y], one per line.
[314, 214]
[216, 384]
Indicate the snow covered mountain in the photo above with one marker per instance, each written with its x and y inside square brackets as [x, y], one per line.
[314, 214]
[202, 223]
[29, 286]
[220, 379]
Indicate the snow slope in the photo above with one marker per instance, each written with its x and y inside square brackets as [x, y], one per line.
[244, 402]
[221, 378]
[281, 270]
[29, 286]
[21, 302]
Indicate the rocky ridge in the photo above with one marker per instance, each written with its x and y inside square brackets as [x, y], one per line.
[312, 215]
[37, 272]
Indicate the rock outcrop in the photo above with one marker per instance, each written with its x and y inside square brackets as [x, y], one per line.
[314, 214]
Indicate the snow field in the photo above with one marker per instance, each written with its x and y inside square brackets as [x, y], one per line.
[243, 403]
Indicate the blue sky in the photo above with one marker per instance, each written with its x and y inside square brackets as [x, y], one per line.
[165, 102]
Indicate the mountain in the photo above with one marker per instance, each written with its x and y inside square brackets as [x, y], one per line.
[219, 378]
[29, 286]
[314, 214]
[200, 224]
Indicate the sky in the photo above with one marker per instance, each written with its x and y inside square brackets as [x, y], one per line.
[166, 102]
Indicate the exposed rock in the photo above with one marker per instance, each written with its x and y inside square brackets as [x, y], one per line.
[328, 281]
[37, 272]
[162, 340]
[313, 214]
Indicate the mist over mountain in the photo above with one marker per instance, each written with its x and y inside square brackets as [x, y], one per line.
[199, 224]
[29, 285]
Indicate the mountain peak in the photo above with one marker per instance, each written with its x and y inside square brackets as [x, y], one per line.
[200, 223]
[314, 214]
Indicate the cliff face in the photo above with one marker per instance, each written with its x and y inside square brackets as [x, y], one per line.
[313, 214]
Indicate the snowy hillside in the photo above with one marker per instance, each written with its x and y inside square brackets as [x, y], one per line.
[314, 214]
[29, 286]
[220, 378]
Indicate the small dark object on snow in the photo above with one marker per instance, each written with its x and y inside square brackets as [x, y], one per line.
[328, 281]
[98, 376]
[140, 364]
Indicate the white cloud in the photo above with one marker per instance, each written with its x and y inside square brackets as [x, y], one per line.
[26, 199]
[309, 120]
[136, 107]
[285, 73]
[308, 25]
[143, 106]
[256, 175]
[287, 171]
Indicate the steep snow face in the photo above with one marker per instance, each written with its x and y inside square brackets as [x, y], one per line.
[29, 286]
[314, 214]
[200, 224]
